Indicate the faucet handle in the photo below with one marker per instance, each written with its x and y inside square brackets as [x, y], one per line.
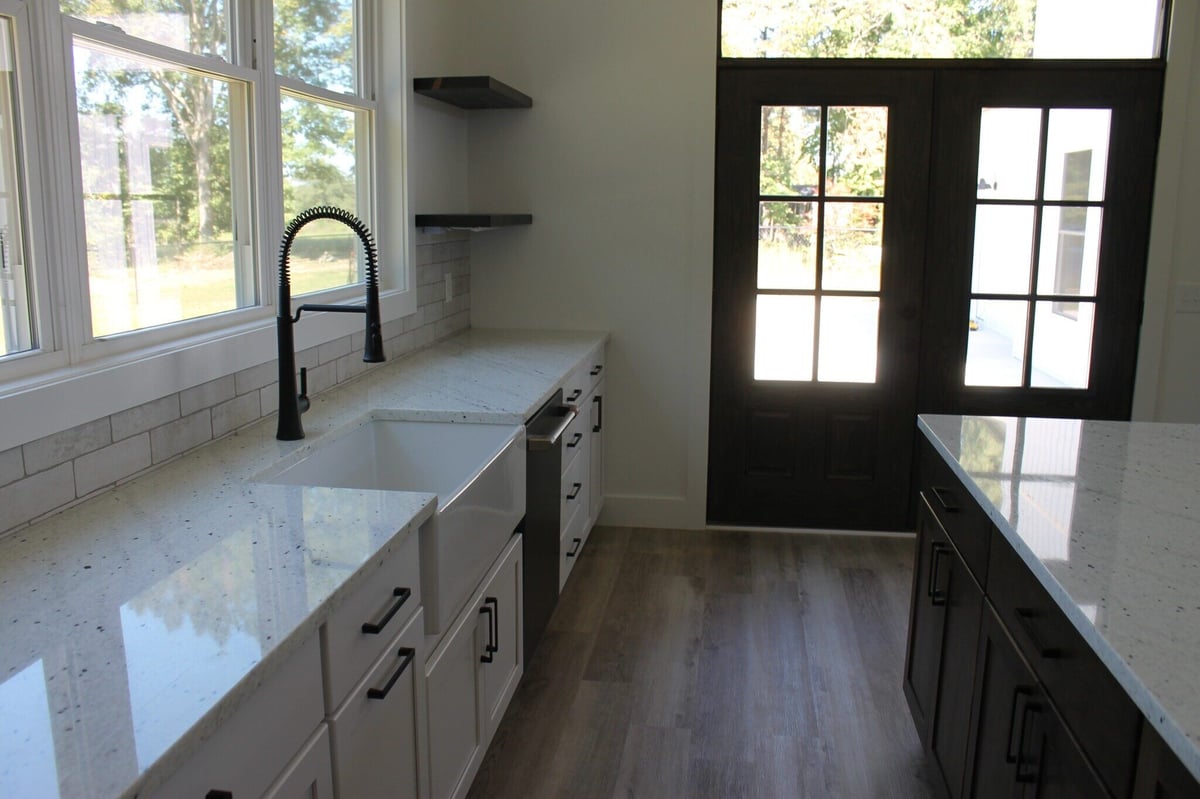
[302, 399]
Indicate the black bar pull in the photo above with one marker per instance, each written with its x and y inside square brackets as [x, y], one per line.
[941, 492]
[596, 428]
[575, 489]
[1025, 619]
[938, 598]
[1028, 777]
[576, 394]
[597, 369]
[1011, 756]
[574, 442]
[218, 794]
[406, 655]
[376, 627]
[494, 633]
[486, 657]
[578, 542]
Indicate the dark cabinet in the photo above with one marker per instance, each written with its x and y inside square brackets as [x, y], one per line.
[944, 624]
[1160, 775]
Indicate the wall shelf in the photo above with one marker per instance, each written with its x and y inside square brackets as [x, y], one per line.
[472, 92]
[472, 221]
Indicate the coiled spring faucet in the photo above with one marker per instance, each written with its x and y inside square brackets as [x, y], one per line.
[291, 402]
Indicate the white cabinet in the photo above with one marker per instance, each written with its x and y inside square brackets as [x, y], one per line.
[310, 775]
[375, 731]
[596, 453]
[471, 676]
[582, 490]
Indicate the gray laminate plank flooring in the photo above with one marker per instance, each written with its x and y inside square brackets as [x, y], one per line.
[717, 664]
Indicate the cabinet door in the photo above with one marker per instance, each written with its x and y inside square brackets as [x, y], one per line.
[596, 472]
[455, 723]
[375, 730]
[927, 620]
[310, 775]
[502, 666]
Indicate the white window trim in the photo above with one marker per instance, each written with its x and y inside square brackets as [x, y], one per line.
[67, 383]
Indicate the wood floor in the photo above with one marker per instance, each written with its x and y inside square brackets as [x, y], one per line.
[716, 664]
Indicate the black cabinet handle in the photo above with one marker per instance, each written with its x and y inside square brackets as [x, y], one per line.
[950, 506]
[494, 631]
[1023, 776]
[938, 598]
[575, 489]
[597, 369]
[376, 627]
[218, 794]
[578, 542]
[486, 657]
[574, 442]
[596, 428]
[576, 394]
[1011, 755]
[406, 655]
[1025, 619]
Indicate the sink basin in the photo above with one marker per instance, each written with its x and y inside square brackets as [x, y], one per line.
[477, 471]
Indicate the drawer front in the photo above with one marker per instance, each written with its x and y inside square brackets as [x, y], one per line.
[573, 492]
[570, 545]
[1093, 705]
[253, 746]
[359, 630]
[575, 438]
[965, 522]
[577, 385]
[595, 366]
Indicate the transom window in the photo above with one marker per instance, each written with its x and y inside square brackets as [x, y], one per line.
[820, 242]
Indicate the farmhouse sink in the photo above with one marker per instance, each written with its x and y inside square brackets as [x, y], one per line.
[476, 470]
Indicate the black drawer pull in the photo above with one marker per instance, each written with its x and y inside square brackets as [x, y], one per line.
[376, 627]
[599, 425]
[578, 542]
[486, 657]
[576, 394]
[937, 598]
[491, 606]
[1023, 776]
[574, 442]
[597, 369]
[942, 493]
[1011, 755]
[1025, 619]
[406, 655]
[575, 489]
[218, 794]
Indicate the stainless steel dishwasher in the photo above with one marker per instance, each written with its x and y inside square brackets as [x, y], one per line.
[542, 525]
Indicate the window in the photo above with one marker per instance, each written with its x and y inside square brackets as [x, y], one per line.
[18, 331]
[941, 29]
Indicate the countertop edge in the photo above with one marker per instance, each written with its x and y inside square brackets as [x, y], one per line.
[1184, 748]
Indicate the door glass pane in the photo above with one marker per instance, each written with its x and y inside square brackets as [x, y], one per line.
[319, 169]
[1070, 252]
[849, 339]
[856, 152]
[996, 343]
[1009, 139]
[941, 29]
[1003, 249]
[853, 246]
[314, 42]
[1077, 154]
[783, 338]
[158, 189]
[17, 328]
[1062, 345]
[787, 245]
[789, 149]
[182, 24]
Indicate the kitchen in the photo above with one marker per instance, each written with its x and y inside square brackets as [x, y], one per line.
[629, 227]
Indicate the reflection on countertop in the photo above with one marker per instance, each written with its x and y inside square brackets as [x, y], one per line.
[1107, 517]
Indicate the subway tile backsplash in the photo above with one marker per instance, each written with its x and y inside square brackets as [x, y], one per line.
[59, 470]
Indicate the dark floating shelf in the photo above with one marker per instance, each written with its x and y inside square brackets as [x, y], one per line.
[473, 221]
[473, 92]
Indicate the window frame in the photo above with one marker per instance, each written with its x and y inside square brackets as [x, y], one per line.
[111, 374]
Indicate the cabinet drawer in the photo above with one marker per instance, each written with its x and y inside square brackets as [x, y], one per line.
[575, 438]
[570, 545]
[573, 492]
[595, 366]
[577, 385]
[964, 521]
[357, 632]
[254, 745]
[1092, 703]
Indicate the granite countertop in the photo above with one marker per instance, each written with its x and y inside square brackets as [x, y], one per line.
[1107, 517]
[134, 623]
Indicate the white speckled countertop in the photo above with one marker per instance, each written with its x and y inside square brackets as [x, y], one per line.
[1107, 517]
[132, 624]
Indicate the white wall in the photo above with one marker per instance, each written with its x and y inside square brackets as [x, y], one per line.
[615, 161]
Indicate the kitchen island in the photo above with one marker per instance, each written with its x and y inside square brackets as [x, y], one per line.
[135, 624]
[1077, 545]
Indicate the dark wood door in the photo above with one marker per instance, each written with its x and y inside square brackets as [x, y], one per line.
[820, 211]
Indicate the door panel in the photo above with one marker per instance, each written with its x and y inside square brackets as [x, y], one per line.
[820, 224]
